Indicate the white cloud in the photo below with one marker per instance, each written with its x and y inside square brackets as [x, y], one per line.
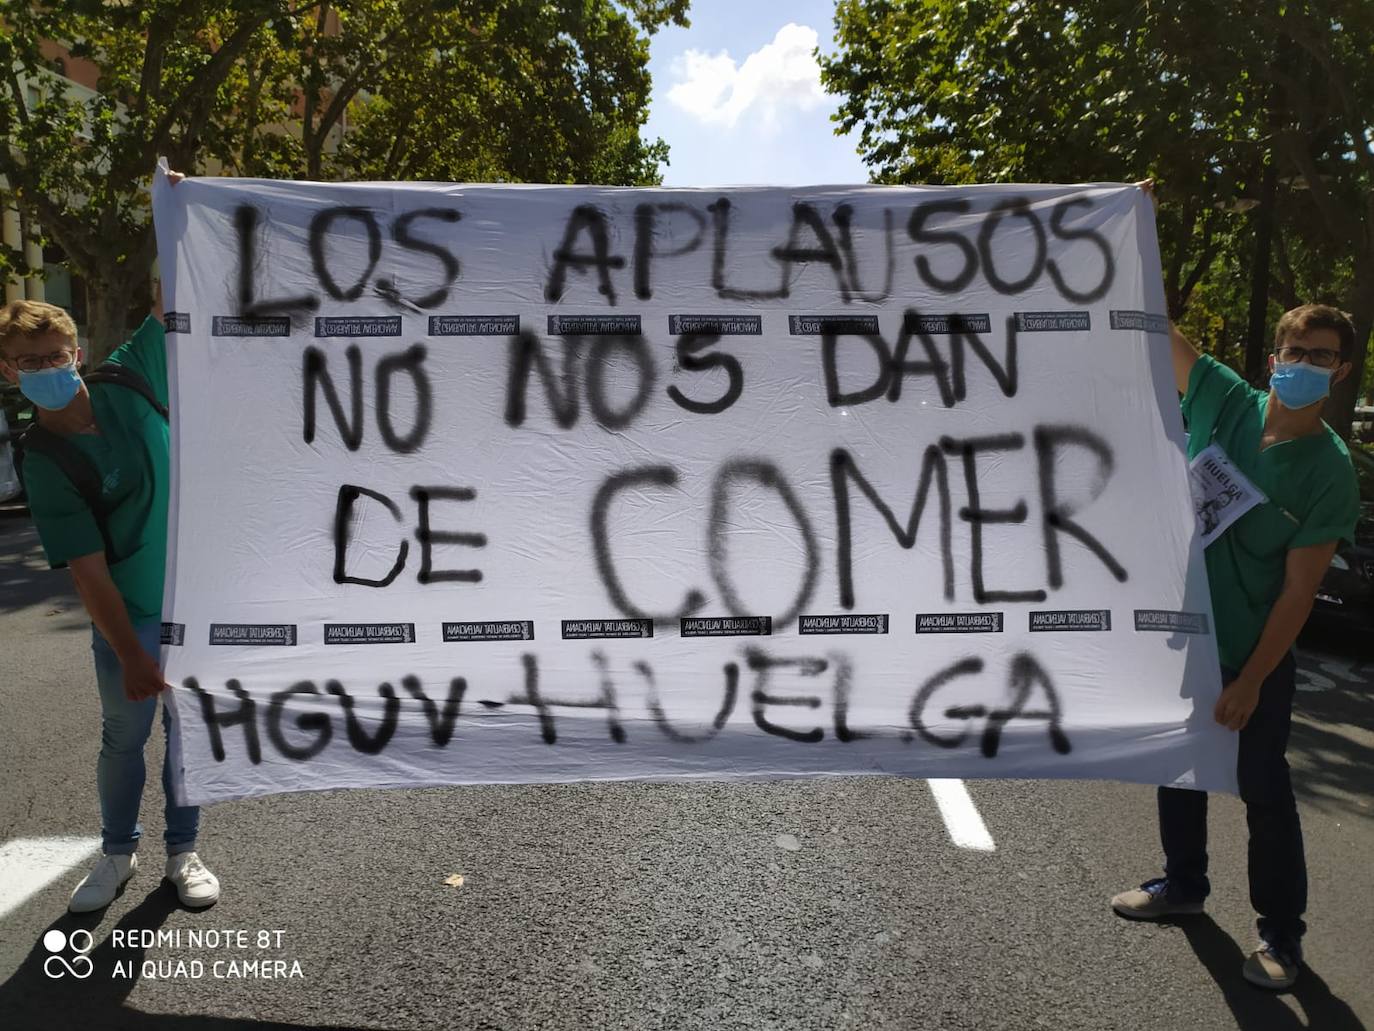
[779, 76]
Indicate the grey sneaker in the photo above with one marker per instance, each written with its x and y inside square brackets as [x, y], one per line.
[196, 886]
[1151, 902]
[101, 886]
[1271, 967]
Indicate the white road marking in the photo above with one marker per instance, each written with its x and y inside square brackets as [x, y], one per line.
[965, 825]
[28, 865]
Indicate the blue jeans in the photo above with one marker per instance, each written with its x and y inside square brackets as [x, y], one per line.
[119, 773]
[1278, 866]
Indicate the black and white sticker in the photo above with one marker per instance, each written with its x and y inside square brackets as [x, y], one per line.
[358, 326]
[263, 326]
[720, 325]
[1170, 621]
[594, 325]
[1053, 322]
[369, 633]
[816, 325]
[1071, 619]
[959, 622]
[843, 623]
[948, 325]
[473, 325]
[489, 630]
[593, 629]
[283, 634]
[1140, 321]
[726, 626]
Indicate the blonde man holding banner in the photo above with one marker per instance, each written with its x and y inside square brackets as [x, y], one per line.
[1291, 496]
[96, 471]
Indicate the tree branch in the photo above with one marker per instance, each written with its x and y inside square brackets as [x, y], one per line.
[257, 76]
[1285, 277]
[211, 74]
[71, 236]
[21, 106]
[24, 184]
[1321, 51]
[389, 168]
[341, 98]
[1334, 215]
[151, 72]
[310, 91]
[1173, 269]
[1204, 261]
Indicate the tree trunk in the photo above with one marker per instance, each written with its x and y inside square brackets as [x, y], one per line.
[1340, 409]
[1256, 336]
[109, 295]
[1172, 299]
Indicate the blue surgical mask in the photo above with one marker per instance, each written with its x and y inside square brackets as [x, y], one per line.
[51, 389]
[1300, 384]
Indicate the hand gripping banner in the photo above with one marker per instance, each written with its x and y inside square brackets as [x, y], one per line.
[483, 484]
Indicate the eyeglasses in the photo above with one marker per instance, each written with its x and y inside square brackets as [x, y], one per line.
[39, 362]
[1321, 357]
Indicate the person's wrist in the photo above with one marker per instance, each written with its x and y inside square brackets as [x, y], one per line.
[131, 655]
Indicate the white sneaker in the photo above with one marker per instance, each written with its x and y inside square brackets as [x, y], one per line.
[99, 887]
[196, 886]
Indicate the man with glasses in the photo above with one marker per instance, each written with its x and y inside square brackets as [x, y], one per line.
[117, 559]
[1300, 498]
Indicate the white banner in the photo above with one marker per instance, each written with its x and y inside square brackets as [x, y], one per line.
[505, 483]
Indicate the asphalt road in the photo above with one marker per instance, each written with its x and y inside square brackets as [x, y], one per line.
[806, 905]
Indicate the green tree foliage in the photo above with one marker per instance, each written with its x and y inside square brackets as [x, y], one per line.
[1204, 96]
[455, 90]
[78, 164]
[460, 90]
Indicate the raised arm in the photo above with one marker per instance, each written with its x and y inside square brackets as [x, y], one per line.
[1184, 355]
[157, 312]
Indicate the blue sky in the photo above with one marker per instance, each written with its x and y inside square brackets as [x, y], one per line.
[738, 98]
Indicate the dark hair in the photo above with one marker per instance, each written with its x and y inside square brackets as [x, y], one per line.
[1302, 320]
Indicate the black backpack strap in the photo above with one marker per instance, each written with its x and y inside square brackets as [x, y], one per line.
[123, 376]
[79, 469]
[73, 462]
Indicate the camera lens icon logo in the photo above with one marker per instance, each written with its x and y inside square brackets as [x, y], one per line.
[57, 965]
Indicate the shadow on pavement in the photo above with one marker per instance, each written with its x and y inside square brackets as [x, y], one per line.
[1329, 743]
[1256, 1009]
[1333, 769]
[1340, 641]
[25, 578]
[34, 1000]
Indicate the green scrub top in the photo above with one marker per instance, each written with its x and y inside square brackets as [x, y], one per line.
[131, 454]
[1313, 499]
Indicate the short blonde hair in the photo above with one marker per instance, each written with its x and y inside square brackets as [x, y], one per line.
[27, 319]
